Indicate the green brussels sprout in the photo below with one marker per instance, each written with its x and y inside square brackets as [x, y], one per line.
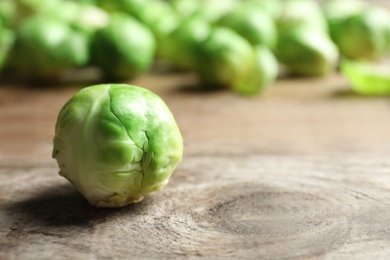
[263, 73]
[226, 59]
[253, 23]
[181, 43]
[363, 34]
[306, 51]
[116, 143]
[367, 78]
[45, 46]
[223, 58]
[157, 15]
[124, 48]
[301, 12]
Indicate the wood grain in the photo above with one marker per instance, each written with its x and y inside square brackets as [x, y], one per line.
[300, 172]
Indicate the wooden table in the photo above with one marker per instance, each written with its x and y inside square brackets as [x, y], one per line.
[300, 172]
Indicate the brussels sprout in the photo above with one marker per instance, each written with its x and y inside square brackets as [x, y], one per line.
[223, 58]
[116, 143]
[263, 73]
[155, 14]
[362, 35]
[301, 12]
[123, 49]
[181, 43]
[306, 51]
[226, 59]
[45, 46]
[367, 78]
[254, 24]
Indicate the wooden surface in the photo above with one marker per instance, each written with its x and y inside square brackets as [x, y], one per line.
[300, 172]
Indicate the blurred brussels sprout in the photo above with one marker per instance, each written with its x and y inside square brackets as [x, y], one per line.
[116, 143]
[306, 51]
[182, 42]
[45, 46]
[367, 78]
[264, 72]
[301, 12]
[124, 48]
[223, 58]
[226, 59]
[362, 34]
[253, 23]
[155, 14]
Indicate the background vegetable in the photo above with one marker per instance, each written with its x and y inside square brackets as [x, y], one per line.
[366, 78]
[253, 23]
[45, 46]
[124, 48]
[116, 143]
[182, 42]
[226, 59]
[361, 34]
[307, 52]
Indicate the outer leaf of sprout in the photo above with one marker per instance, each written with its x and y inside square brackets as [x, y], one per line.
[367, 78]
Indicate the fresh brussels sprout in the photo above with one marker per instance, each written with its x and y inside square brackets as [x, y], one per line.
[253, 23]
[367, 78]
[157, 15]
[306, 51]
[301, 12]
[116, 143]
[362, 34]
[263, 73]
[223, 58]
[181, 43]
[45, 46]
[226, 59]
[124, 48]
